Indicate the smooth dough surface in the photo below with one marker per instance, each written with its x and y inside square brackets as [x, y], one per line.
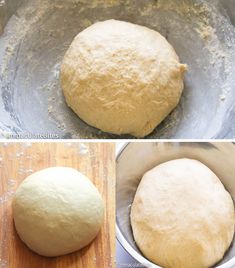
[182, 216]
[121, 78]
[57, 211]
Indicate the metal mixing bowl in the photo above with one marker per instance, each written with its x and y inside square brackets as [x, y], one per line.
[40, 31]
[136, 158]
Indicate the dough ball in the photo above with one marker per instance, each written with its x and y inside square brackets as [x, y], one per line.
[57, 211]
[182, 216]
[121, 78]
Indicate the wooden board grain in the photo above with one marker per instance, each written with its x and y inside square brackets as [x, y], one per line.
[95, 160]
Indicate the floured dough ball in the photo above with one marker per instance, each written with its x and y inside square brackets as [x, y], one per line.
[121, 78]
[182, 216]
[57, 211]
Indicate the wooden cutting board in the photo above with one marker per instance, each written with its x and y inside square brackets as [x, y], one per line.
[95, 160]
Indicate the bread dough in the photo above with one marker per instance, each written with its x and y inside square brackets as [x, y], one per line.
[182, 217]
[121, 78]
[57, 211]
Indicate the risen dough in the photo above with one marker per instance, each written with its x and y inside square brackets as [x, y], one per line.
[57, 211]
[121, 78]
[182, 217]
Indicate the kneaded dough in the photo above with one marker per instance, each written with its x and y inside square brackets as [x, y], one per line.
[121, 78]
[182, 216]
[57, 211]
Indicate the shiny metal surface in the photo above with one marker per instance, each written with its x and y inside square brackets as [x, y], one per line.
[134, 159]
[40, 31]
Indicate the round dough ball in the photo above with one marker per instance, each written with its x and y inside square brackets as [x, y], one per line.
[57, 211]
[182, 216]
[121, 78]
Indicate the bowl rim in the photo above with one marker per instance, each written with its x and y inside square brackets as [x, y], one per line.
[125, 244]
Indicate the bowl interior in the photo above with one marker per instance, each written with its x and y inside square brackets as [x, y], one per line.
[137, 158]
[38, 35]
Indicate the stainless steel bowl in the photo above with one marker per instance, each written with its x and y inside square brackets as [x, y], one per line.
[40, 31]
[134, 159]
